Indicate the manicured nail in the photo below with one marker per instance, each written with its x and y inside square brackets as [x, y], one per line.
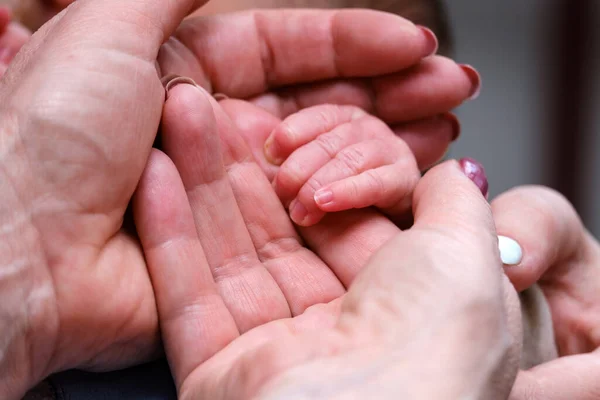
[270, 151]
[455, 123]
[475, 79]
[511, 252]
[432, 43]
[298, 212]
[323, 197]
[475, 171]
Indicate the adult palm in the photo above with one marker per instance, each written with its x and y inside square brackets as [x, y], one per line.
[224, 258]
[80, 109]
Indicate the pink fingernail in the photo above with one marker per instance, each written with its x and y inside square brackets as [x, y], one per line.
[475, 79]
[298, 212]
[432, 44]
[323, 197]
[475, 172]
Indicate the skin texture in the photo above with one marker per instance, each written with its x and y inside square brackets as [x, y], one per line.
[78, 120]
[186, 195]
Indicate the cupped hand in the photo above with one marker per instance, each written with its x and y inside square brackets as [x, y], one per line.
[247, 311]
[561, 256]
[81, 104]
[293, 59]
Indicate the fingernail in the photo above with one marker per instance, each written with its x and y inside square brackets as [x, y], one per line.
[170, 81]
[220, 96]
[270, 150]
[298, 212]
[432, 44]
[511, 252]
[323, 197]
[475, 172]
[475, 79]
[455, 123]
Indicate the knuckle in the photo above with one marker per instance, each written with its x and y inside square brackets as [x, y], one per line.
[311, 186]
[329, 143]
[352, 159]
[374, 182]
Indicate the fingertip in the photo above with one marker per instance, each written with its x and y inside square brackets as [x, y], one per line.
[301, 216]
[282, 141]
[431, 43]
[544, 225]
[511, 252]
[323, 197]
[447, 195]
[271, 150]
[475, 171]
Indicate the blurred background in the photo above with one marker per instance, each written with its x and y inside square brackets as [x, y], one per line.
[537, 120]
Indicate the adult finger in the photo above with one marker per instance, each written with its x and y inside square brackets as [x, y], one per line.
[453, 247]
[435, 86]
[540, 230]
[195, 322]
[573, 377]
[409, 95]
[283, 47]
[192, 137]
[429, 139]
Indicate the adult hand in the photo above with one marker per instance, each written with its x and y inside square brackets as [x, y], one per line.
[81, 105]
[427, 317]
[293, 59]
[563, 258]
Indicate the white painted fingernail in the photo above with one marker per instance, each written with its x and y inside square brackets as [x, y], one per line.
[511, 252]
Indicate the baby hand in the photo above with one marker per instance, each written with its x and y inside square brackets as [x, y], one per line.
[336, 158]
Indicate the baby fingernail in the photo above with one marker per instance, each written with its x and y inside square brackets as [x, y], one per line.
[323, 197]
[298, 212]
[475, 79]
[432, 44]
[475, 172]
[270, 151]
[511, 252]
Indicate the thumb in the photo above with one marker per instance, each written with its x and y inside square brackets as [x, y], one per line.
[116, 24]
[442, 284]
[545, 227]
